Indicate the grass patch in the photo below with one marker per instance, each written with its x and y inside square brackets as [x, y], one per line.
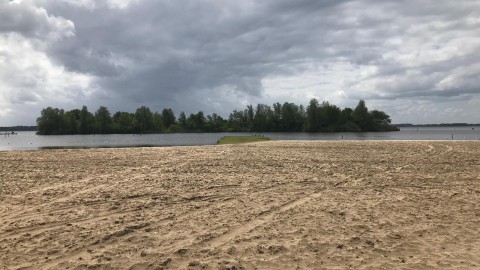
[242, 139]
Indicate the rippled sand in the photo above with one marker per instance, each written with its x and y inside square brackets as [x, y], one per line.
[272, 205]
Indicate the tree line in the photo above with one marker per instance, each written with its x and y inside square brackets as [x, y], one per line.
[286, 117]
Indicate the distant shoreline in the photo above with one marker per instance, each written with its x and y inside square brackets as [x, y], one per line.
[437, 125]
[19, 128]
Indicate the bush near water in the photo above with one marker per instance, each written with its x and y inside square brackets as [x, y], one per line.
[242, 139]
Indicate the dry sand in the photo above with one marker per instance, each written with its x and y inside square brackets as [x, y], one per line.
[272, 205]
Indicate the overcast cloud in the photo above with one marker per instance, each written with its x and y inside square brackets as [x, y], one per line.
[418, 61]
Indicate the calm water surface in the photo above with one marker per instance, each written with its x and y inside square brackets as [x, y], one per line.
[31, 141]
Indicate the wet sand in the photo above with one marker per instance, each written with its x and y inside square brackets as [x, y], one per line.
[271, 205]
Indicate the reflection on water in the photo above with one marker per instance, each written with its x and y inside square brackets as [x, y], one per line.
[31, 141]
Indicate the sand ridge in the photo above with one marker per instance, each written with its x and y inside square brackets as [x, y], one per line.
[269, 205]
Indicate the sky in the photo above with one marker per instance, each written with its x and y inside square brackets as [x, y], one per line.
[417, 60]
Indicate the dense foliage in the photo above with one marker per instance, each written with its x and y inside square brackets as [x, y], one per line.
[286, 117]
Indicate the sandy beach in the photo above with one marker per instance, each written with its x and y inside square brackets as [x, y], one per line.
[269, 205]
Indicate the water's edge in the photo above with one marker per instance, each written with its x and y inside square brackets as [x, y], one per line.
[30, 141]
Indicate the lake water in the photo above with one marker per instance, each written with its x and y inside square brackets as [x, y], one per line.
[31, 141]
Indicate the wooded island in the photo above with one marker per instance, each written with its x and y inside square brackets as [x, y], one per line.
[286, 117]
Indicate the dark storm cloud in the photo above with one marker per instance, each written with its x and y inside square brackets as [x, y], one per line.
[195, 44]
[30, 21]
[163, 50]
[217, 55]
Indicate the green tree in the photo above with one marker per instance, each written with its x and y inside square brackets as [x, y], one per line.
[277, 116]
[263, 120]
[311, 119]
[346, 121]
[329, 117]
[103, 121]
[381, 121]
[144, 120]
[237, 121]
[51, 121]
[362, 117]
[196, 122]
[168, 118]
[182, 121]
[215, 123]
[86, 121]
[158, 122]
[123, 122]
[249, 113]
[290, 117]
[72, 121]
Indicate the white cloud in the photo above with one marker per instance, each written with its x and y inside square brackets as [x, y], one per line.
[27, 75]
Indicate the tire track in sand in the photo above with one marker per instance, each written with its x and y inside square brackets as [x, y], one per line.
[261, 219]
[103, 241]
[430, 149]
[244, 228]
